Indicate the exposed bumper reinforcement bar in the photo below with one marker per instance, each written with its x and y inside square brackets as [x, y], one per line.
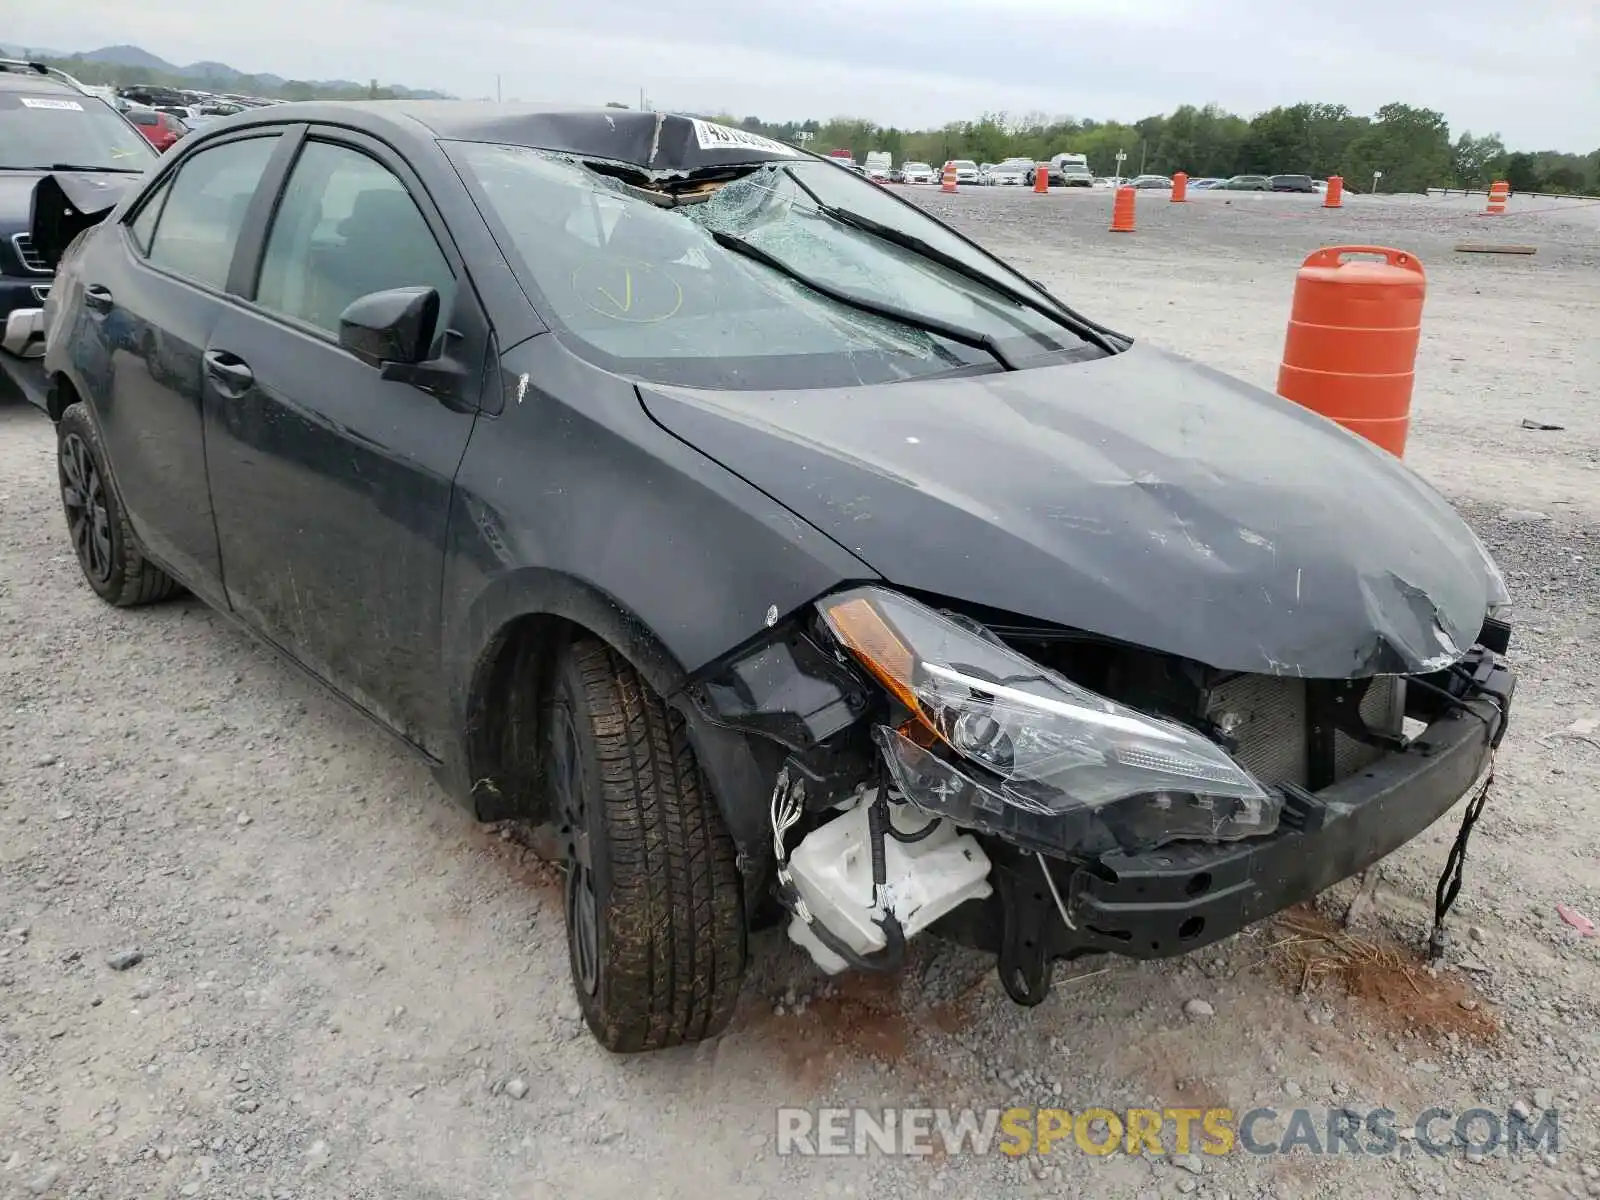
[1185, 896]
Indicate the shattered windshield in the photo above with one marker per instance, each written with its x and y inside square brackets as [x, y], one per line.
[651, 291]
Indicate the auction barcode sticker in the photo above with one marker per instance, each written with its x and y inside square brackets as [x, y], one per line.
[50, 102]
[712, 136]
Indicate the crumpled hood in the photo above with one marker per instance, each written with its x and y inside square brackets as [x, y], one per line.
[1139, 496]
[64, 203]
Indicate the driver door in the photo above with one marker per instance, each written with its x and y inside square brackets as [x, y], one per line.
[331, 485]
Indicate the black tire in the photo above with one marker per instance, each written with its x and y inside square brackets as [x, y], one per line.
[109, 553]
[654, 905]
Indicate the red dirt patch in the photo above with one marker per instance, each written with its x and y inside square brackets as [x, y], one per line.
[1392, 979]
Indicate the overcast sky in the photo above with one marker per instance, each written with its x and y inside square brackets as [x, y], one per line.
[1529, 69]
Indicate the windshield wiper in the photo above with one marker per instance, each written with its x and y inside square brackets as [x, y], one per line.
[925, 249]
[88, 167]
[955, 333]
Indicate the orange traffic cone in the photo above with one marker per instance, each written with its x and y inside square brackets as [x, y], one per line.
[1041, 179]
[1180, 187]
[1334, 197]
[949, 183]
[1499, 193]
[1122, 211]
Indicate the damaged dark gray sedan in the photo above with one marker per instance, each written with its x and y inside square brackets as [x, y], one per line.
[774, 551]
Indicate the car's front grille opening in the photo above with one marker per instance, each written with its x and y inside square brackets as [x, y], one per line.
[32, 260]
[1269, 717]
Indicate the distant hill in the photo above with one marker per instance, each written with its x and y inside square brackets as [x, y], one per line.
[134, 64]
[129, 56]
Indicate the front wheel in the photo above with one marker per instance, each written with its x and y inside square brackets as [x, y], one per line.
[112, 561]
[654, 905]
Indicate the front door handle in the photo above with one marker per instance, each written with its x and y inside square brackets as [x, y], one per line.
[230, 372]
[98, 297]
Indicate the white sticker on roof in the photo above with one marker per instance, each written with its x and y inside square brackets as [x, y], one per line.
[50, 102]
[711, 136]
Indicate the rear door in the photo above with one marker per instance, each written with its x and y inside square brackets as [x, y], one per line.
[151, 297]
[331, 484]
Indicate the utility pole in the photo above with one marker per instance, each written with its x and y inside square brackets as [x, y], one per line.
[497, 88]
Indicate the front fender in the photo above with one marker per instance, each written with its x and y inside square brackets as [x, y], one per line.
[573, 505]
[738, 769]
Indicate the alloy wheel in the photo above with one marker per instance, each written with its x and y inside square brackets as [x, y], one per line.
[83, 494]
[572, 817]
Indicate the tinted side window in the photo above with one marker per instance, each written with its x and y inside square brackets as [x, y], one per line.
[144, 224]
[199, 224]
[346, 227]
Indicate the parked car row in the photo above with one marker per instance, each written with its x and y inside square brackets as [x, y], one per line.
[1020, 172]
[1065, 170]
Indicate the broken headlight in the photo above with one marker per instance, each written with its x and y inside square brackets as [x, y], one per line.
[1000, 743]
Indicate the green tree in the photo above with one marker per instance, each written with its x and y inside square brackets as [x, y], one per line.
[1411, 146]
[1474, 160]
[1522, 173]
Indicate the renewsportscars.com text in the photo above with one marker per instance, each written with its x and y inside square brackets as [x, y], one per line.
[1214, 1131]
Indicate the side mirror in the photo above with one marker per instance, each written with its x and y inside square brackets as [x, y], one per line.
[395, 326]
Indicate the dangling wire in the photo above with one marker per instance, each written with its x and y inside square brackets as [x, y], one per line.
[1450, 880]
[786, 809]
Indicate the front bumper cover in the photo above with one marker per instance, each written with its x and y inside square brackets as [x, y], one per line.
[27, 376]
[1186, 895]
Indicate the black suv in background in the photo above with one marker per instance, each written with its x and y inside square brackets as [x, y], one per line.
[48, 125]
[1293, 183]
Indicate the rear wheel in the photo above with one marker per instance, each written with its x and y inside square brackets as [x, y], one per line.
[654, 906]
[112, 561]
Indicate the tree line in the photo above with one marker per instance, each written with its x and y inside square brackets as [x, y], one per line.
[1411, 146]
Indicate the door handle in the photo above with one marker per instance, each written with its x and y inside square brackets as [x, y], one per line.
[229, 371]
[98, 297]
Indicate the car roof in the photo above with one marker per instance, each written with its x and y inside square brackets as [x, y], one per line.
[657, 143]
[20, 77]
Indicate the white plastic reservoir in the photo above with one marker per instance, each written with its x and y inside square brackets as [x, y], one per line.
[832, 869]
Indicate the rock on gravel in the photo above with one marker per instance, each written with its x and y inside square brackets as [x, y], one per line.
[516, 1089]
[1198, 1009]
[123, 960]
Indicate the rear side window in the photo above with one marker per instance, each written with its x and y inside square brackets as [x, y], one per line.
[144, 225]
[346, 227]
[198, 227]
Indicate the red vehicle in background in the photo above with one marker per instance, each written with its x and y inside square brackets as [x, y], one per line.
[842, 155]
[162, 130]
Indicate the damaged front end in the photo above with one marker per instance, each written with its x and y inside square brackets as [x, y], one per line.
[1042, 793]
[62, 207]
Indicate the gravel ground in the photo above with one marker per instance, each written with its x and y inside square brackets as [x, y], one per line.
[248, 950]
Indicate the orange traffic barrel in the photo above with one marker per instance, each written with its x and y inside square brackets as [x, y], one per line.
[1180, 187]
[949, 183]
[1041, 178]
[1334, 197]
[1351, 350]
[1499, 193]
[1122, 211]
